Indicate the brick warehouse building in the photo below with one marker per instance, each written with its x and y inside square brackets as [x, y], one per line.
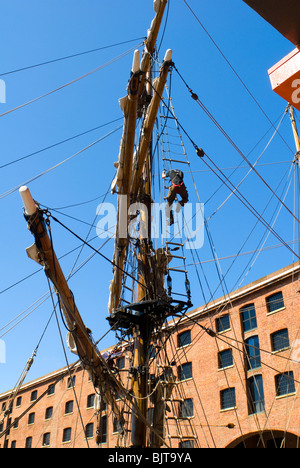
[236, 386]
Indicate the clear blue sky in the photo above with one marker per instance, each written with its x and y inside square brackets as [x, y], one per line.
[35, 32]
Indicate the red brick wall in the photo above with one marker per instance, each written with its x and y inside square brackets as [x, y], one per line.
[209, 423]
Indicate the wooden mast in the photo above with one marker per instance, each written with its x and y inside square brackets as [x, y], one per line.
[296, 134]
[134, 181]
[79, 337]
[141, 192]
[136, 185]
[127, 161]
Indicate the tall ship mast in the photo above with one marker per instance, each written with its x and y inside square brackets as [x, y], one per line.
[149, 295]
[142, 319]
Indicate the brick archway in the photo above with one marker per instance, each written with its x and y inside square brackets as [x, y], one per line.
[271, 439]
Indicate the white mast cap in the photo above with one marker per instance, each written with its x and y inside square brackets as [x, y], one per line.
[29, 203]
[136, 61]
[168, 55]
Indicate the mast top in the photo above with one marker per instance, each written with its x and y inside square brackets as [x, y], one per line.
[29, 203]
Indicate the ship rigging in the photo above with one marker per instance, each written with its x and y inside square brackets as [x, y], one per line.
[147, 291]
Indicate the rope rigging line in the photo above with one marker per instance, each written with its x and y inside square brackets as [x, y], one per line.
[70, 82]
[262, 242]
[64, 348]
[207, 112]
[92, 225]
[257, 421]
[119, 383]
[89, 231]
[234, 189]
[75, 205]
[9, 192]
[256, 162]
[235, 72]
[183, 359]
[41, 269]
[245, 202]
[235, 168]
[46, 296]
[214, 334]
[70, 56]
[277, 215]
[99, 253]
[258, 244]
[226, 293]
[176, 120]
[58, 143]
[241, 254]
[61, 377]
[165, 160]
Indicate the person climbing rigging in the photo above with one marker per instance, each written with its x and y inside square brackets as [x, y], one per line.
[177, 188]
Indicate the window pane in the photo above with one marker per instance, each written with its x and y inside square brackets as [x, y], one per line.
[256, 390]
[150, 415]
[253, 352]
[186, 409]
[117, 425]
[46, 439]
[69, 407]
[228, 398]
[51, 389]
[285, 383]
[275, 302]
[152, 352]
[185, 371]
[71, 382]
[89, 430]
[28, 442]
[120, 362]
[225, 358]
[184, 338]
[223, 323]
[49, 412]
[67, 434]
[248, 315]
[186, 444]
[103, 430]
[90, 401]
[280, 340]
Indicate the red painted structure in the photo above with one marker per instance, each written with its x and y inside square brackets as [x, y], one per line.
[284, 15]
[285, 78]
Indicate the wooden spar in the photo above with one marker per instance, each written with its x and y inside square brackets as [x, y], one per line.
[141, 191]
[296, 134]
[123, 179]
[159, 6]
[124, 172]
[141, 151]
[90, 357]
